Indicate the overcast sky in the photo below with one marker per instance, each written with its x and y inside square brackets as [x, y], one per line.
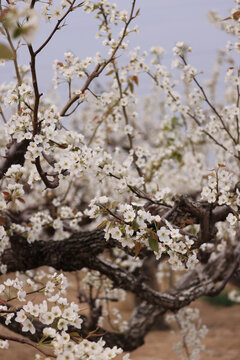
[162, 22]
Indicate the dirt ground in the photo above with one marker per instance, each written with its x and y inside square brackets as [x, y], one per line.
[222, 341]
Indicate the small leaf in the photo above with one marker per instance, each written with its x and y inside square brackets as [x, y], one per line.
[228, 18]
[110, 72]
[153, 242]
[135, 225]
[74, 334]
[102, 224]
[5, 52]
[137, 13]
[135, 79]
[176, 155]
[131, 87]
[2, 31]
[2, 221]
[7, 196]
[17, 32]
[63, 146]
[138, 246]
[236, 15]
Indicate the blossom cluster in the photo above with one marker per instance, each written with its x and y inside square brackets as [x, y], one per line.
[57, 314]
[135, 227]
[191, 332]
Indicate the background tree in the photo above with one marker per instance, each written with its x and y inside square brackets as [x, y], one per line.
[104, 185]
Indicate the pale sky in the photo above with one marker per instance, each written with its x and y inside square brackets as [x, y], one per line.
[162, 22]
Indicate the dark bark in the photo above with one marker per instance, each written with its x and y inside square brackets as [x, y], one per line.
[15, 155]
[83, 250]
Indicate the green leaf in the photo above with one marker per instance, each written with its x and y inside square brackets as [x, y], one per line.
[153, 242]
[176, 155]
[17, 32]
[2, 31]
[110, 72]
[5, 52]
[131, 87]
[135, 225]
[102, 224]
[74, 334]
[175, 122]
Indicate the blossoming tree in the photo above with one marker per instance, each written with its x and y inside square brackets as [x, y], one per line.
[106, 185]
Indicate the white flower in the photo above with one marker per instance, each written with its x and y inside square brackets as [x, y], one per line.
[232, 219]
[62, 324]
[28, 326]
[175, 233]
[47, 318]
[21, 316]
[103, 199]
[56, 311]
[157, 50]
[57, 13]
[69, 314]
[128, 129]
[4, 344]
[124, 101]
[163, 234]
[129, 215]
[116, 233]
[48, 331]
[21, 295]
[223, 199]
[192, 261]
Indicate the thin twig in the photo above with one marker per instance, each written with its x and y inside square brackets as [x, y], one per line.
[27, 342]
[56, 27]
[49, 184]
[209, 103]
[100, 67]
[15, 61]
[3, 116]
[36, 90]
